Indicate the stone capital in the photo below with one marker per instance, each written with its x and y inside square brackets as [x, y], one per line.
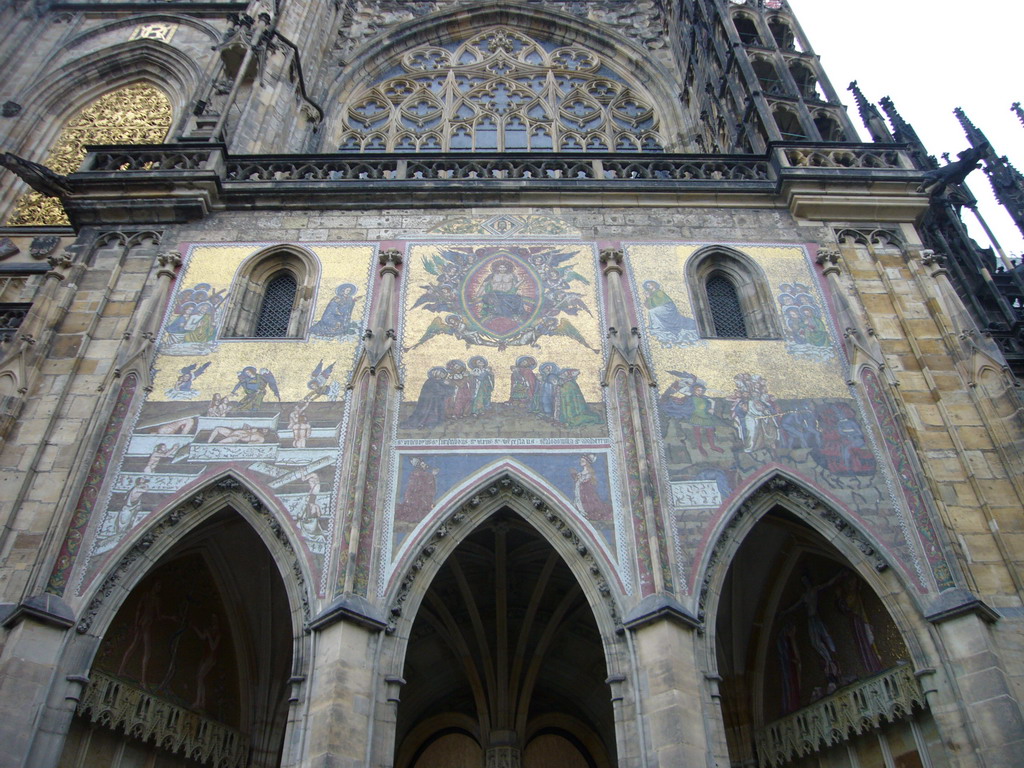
[611, 260]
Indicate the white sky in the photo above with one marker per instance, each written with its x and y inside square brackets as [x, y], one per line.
[930, 56]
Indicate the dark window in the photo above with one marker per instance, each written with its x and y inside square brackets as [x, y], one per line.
[276, 308]
[726, 312]
[747, 31]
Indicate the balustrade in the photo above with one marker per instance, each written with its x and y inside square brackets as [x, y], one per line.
[857, 708]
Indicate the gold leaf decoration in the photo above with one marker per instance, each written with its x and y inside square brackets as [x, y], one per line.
[135, 114]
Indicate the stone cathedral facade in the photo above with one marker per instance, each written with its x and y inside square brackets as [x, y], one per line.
[450, 383]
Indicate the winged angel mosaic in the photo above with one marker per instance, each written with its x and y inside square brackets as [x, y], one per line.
[501, 297]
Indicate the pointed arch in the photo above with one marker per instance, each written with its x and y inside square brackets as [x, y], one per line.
[51, 99]
[255, 286]
[549, 595]
[748, 308]
[228, 569]
[782, 490]
[373, 62]
[507, 490]
[167, 528]
[803, 622]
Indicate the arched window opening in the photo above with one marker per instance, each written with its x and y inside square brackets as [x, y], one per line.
[276, 309]
[828, 127]
[135, 114]
[747, 30]
[789, 124]
[768, 78]
[731, 297]
[194, 668]
[505, 651]
[726, 312]
[801, 638]
[501, 91]
[783, 35]
[271, 297]
[806, 80]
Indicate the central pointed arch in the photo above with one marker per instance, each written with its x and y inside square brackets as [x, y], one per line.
[481, 626]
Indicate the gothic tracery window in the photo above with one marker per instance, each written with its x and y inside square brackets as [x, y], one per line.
[135, 114]
[502, 91]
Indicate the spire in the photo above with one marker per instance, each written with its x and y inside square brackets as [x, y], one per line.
[902, 130]
[1015, 107]
[1007, 182]
[974, 134]
[873, 120]
[904, 133]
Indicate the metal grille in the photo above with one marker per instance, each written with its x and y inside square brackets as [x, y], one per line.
[276, 309]
[726, 312]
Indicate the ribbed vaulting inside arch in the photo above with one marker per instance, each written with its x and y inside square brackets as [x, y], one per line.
[505, 654]
[501, 90]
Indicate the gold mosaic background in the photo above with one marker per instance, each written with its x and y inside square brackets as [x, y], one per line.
[563, 351]
[290, 362]
[718, 360]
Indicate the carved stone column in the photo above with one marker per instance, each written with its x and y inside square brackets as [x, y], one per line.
[141, 335]
[21, 358]
[381, 332]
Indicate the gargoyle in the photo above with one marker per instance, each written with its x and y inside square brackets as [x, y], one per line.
[938, 181]
[39, 177]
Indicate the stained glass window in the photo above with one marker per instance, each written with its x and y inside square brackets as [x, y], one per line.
[726, 312]
[276, 309]
[502, 91]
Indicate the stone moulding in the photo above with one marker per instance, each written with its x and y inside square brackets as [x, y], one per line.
[120, 706]
[170, 521]
[858, 708]
[182, 182]
[503, 488]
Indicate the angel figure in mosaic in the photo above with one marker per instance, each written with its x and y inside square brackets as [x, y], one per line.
[254, 385]
[182, 389]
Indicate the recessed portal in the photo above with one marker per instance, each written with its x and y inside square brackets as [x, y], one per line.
[505, 661]
[193, 670]
[815, 673]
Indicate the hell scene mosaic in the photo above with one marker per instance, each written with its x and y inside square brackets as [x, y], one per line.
[731, 409]
[269, 408]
